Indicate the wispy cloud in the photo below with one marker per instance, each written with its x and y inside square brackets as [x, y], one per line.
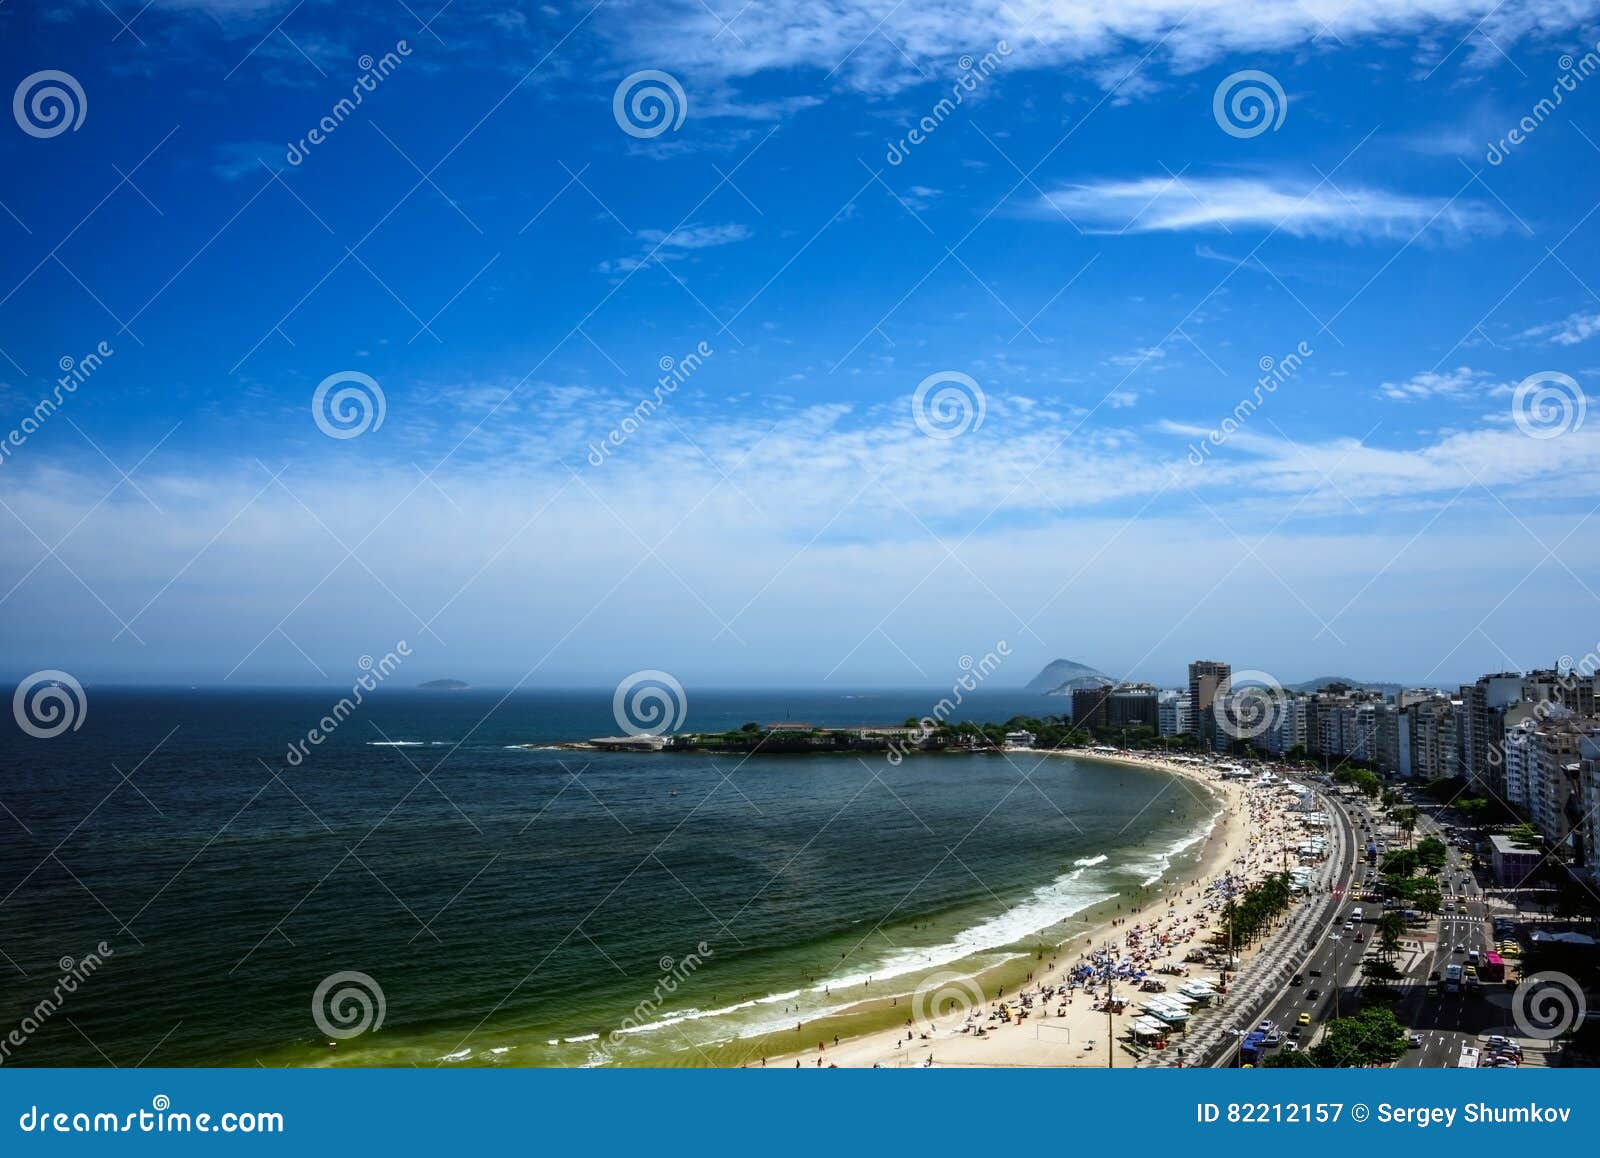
[886, 45]
[664, 245]
[1569, 331]
[1168, 204]
[1461, 382]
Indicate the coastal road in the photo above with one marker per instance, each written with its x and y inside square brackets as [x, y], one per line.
[1444, 1023]
[1329, 957]
[1263, 990]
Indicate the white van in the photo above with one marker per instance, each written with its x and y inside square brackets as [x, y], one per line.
[1355, 913]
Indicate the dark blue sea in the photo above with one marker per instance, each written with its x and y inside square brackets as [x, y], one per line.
[173, 891]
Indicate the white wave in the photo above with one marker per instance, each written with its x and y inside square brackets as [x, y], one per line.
[397, 744]
[1047, 905]
[459, 1055]
[1091, 861]
[1155, 866]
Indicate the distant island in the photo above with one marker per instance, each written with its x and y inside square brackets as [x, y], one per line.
[1062, 677]
[444, 686]
[1322, 682]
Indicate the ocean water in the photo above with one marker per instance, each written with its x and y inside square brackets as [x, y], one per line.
[517, 904]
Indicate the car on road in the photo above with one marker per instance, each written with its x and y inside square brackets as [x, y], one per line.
[1291, 1047]
[1313, 994]
[1414, 1041]
[1297, 980]
[1305, 1019]
[1294, 1034]
[1450, 906]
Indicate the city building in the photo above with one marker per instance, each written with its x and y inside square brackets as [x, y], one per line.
[1127, 705]
[1206, 678]
[1484, 730]
[1512, 862]
[1173, 717]
[1434, 745]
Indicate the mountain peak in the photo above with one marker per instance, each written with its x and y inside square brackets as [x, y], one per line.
[1063, 671]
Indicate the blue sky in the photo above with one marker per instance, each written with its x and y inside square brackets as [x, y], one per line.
[1081, 236]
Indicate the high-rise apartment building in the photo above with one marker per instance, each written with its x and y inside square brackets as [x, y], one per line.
[1207, 677]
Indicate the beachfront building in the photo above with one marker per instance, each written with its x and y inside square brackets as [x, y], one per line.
[1559, 749]
[1347, 723]
[1433, 734]
[1207, 677]
[1126, 705]
[1286, 729]
[1393, 728]
[1173, 717]
[1020, 739]
[1519, 756]
[1483, 732]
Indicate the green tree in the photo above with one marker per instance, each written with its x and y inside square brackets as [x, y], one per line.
[1295, 1059]
[1432, 853]
[1373, 1037]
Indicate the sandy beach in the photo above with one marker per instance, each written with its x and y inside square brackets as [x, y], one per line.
[1046, 1016]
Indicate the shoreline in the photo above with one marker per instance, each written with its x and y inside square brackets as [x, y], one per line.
[1076, 1035]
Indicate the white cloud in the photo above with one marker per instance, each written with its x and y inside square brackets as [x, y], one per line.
[1569, 331]
[663, 245]
[1461, 382]
[873, 43]
[1141, 357]
[804, 531]
[1167, 204]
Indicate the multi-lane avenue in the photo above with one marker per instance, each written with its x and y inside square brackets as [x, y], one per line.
[1324, 965]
